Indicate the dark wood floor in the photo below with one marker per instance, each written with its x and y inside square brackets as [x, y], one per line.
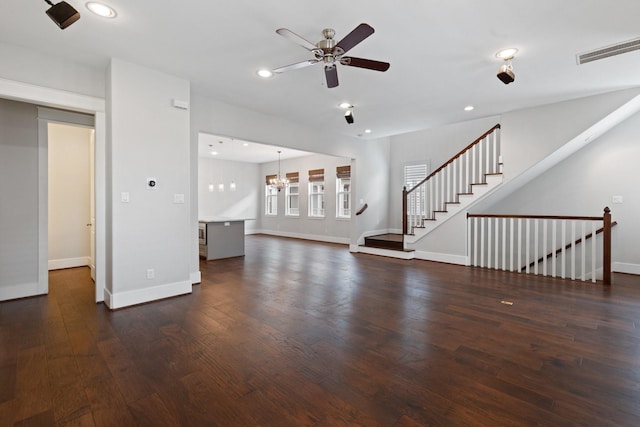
[306, 334]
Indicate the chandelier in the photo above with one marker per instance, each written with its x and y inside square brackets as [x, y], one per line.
[279, 182]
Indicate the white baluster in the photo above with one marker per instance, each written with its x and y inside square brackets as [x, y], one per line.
[504, 244]
[528, 244]
[475, 241]
[573, 250]
[511, 237]
[583, 252]
[482, 220]
[489, 236]
[544, 246]
[554, 247]
[519, 245]
[593, 251]
[535, 246]
[563, 254]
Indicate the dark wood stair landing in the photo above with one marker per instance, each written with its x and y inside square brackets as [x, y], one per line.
[385, 241]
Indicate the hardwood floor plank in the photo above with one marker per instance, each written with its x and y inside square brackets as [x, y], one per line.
[300, 333]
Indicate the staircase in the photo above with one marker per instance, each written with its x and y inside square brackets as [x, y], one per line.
[463, 180]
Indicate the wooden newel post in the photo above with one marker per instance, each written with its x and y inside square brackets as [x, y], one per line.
[606, 247]
[404, 210]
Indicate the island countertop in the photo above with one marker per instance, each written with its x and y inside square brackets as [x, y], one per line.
[206, 219]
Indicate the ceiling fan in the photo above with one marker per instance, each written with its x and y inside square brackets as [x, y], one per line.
[331, 53]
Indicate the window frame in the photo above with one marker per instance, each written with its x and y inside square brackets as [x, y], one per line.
[313, 195]
[340, 198]
[288, 209]
[271, 200]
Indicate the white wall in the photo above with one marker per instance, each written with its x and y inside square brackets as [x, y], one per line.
[147, 138]
[69, 195]
[48, 70]
[584, 184]
[329, 228]
[242, 203]
[18, 200]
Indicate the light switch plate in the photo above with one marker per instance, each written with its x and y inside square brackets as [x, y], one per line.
[124, 197]
[178, 198]
[616, 199]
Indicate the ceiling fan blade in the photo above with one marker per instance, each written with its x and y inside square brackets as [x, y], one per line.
[358, 34]
[369, 64]
[331, 73]
[296, 38]
[295, 66]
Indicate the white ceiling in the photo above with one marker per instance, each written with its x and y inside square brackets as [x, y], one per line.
[441, 53]
[227, 148]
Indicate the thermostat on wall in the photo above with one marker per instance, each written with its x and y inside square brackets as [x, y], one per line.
[151, 183]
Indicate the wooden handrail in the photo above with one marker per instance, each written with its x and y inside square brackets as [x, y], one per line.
[568, 246]
[362, 209]
[575, 218]
[460, 153]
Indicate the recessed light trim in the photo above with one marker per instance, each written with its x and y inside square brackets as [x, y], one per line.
[345, 105]
[264, 73]
[507, 53]
[469, 108]
[101, 9]
[367, 131]
[214, 153]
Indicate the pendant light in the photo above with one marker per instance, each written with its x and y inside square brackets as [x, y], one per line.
[279, 182]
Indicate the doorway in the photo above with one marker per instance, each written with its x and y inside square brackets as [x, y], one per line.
[71, 235]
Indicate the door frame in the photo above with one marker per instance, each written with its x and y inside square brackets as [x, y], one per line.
[67, 118]
[47, 97]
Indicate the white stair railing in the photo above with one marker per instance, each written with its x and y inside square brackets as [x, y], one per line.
[556, 246]
[454, 178]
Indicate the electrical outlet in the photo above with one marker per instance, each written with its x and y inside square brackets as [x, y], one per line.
[151, 273]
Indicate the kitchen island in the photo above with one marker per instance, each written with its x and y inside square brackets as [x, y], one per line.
[221, 237]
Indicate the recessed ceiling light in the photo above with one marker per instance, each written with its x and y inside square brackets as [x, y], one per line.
[264, 73]
[507, 53]
[345, 105]
[101, 9]
[469, 108]
[214, 153]
[367, 131]
[246, 144]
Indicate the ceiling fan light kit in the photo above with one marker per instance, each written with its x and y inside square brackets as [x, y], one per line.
[505, 72]
[330, 53]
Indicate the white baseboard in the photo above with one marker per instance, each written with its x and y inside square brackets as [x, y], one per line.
[315, 237]
[58, 264]
[623, 267]
[20, 291]
[139, 296]
[448, 258]
[196, 277]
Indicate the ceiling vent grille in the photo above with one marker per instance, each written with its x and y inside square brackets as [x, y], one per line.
[606, 52]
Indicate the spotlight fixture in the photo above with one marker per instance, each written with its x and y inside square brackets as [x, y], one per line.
[63, 14]
[348, 115]
[101, 9]
[505, 72]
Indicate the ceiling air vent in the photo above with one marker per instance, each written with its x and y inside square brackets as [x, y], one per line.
[606, 52]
